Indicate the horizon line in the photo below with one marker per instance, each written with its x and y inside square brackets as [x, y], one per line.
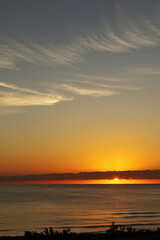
[129, 175]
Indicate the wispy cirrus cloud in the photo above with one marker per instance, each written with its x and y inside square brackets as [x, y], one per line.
[12, 95]
[91, 78]
[133, 35]
[129, 36]
[87, 91]
[94, 85]
[18, 99]
[101, 82]
[15, 87]
[18, 96]
[13, 52]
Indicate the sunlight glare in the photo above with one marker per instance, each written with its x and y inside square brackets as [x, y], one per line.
[116, 179]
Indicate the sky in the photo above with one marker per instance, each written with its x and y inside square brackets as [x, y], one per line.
[79, 86]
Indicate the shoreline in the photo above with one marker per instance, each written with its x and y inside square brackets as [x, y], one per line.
[91, 229]
[114, 232]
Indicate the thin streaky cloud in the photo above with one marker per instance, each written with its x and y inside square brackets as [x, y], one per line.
[9, 99]
[19, 96]
[99, 78]
[123, 87]
[94, 83]
[13, 51]
[14, 87]
[139, 38]
[134, 35]
[89, 92]
[104, 82]
[7, 63]
[63, 55]
[99, 85]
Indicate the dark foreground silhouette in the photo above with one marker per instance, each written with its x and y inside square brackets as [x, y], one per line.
[114, 232]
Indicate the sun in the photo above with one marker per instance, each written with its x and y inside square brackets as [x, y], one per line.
[116, 179]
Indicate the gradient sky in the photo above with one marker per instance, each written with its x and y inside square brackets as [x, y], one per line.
[79, 86]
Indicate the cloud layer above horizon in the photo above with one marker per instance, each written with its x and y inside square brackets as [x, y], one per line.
[145, 174]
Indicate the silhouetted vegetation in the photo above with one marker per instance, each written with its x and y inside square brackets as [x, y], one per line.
[114, 232]
[120, 229]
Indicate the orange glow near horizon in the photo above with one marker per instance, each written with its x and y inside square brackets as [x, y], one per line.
[114, 181]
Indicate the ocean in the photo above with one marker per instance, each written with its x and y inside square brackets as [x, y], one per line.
[83, 208]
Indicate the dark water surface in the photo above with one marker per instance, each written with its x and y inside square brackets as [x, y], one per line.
[83, 208]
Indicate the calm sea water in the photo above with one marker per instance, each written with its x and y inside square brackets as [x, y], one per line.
[81, 207]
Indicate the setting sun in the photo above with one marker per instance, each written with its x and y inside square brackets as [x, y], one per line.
[116, 179]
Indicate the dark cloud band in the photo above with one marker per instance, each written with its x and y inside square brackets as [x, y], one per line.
[146, 174]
